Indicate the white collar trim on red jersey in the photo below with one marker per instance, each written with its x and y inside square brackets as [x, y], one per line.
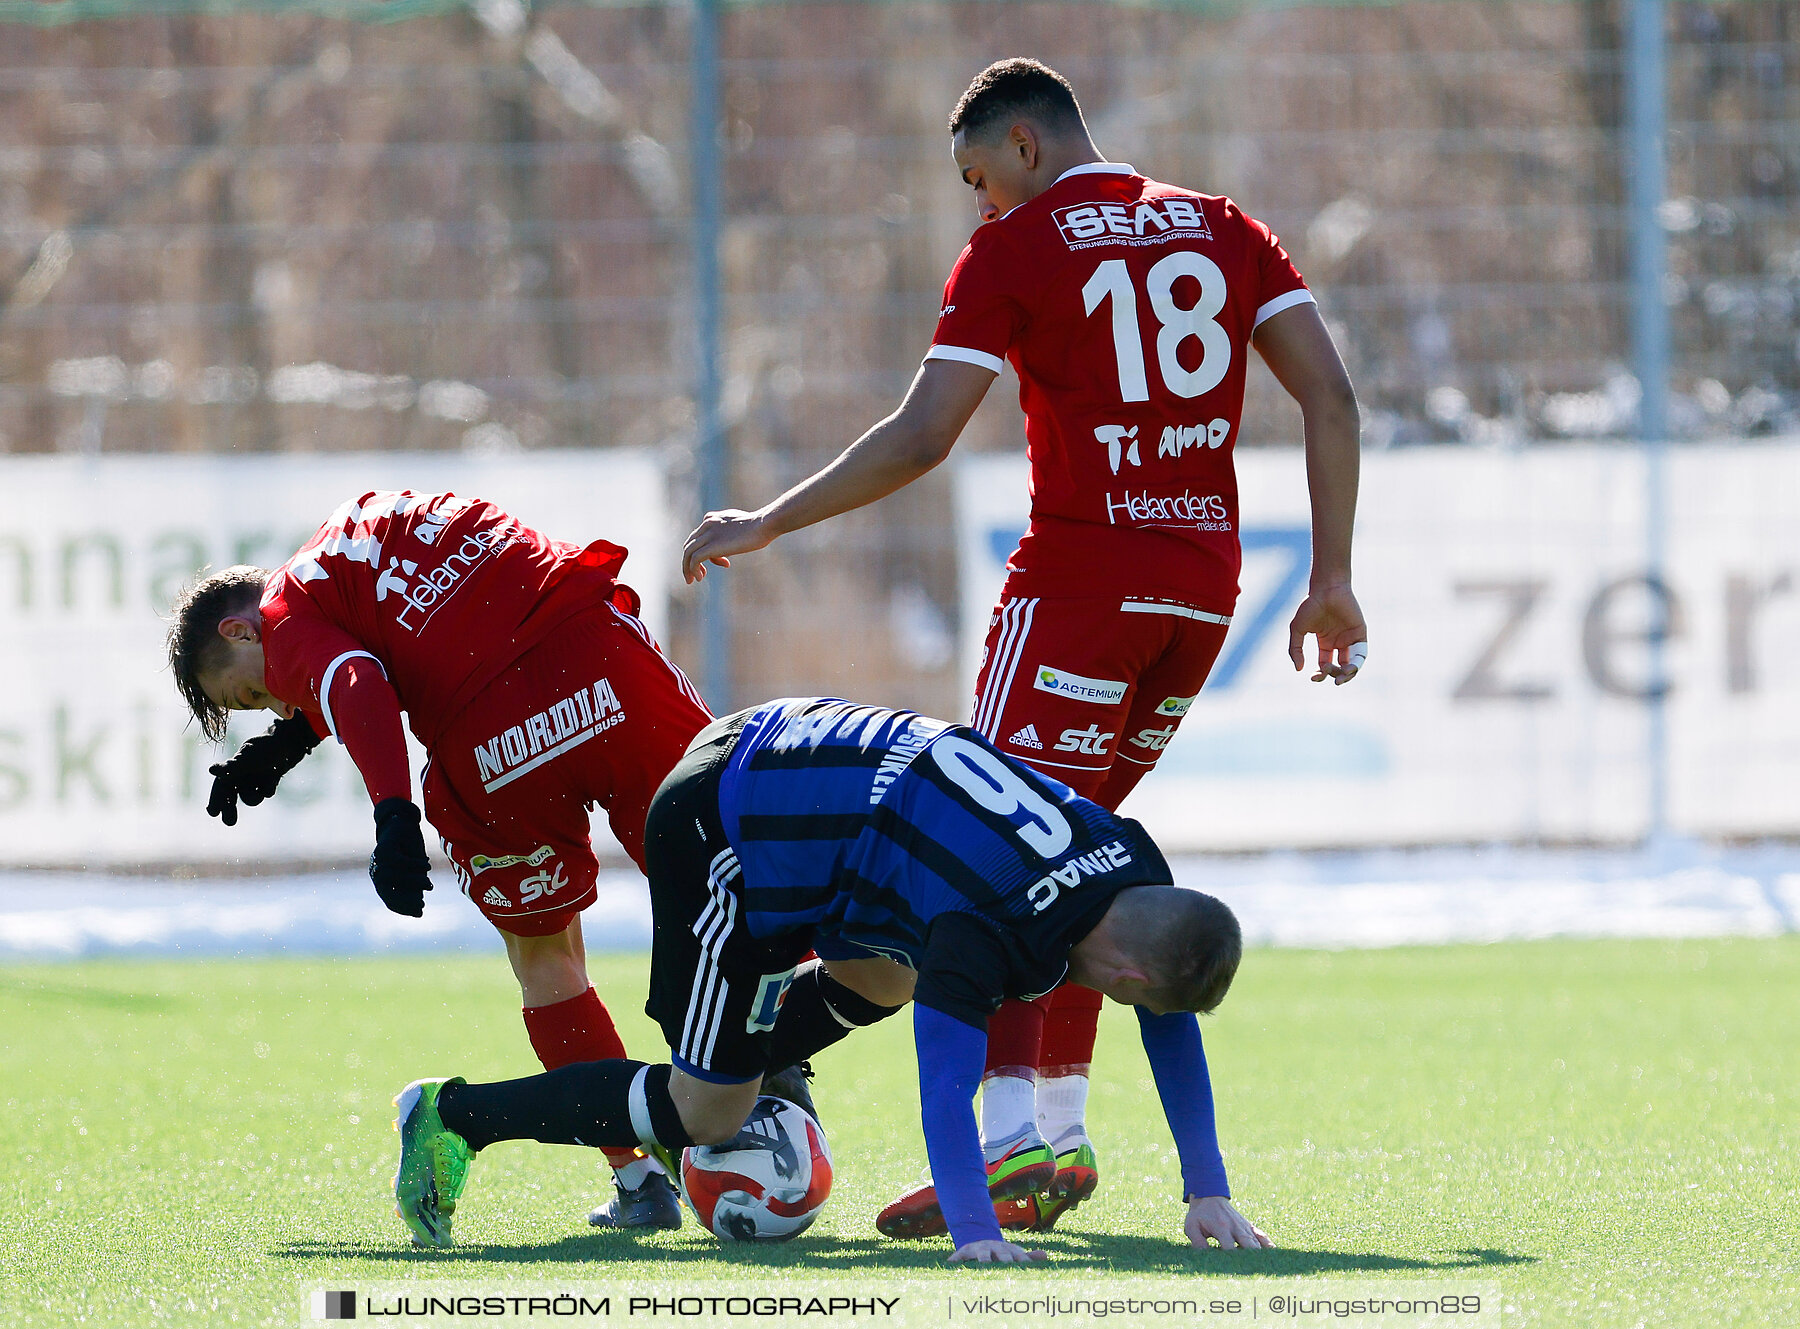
[1096, 168]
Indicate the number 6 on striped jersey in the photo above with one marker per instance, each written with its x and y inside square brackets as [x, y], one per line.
[1000, 789]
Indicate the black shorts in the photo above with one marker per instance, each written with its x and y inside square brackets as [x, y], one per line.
[714, 989]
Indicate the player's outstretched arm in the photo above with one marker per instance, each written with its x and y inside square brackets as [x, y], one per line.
[893, 454]
[367, 714]
[1178, 1062]
[1300, 353]
[951, 1055]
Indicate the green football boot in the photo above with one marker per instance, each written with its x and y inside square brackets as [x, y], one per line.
[434, 1163]
[1017, 1167]
[1077, 1176]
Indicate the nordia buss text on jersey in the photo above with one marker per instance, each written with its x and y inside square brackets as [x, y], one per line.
[522, 748]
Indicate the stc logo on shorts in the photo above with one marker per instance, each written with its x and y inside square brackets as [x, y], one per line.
[1091, 741]
[532, 888]
[1061, 683]
[547, 735]
[1154, 740]
[1147, 222]
[544, 883]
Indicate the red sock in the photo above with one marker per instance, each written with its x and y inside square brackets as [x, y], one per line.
[1070, 1027]
[578, 1029]
[1014, 1033]
[575, 1030]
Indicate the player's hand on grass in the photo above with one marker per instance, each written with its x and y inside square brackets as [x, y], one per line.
[1331, 615]
[994, 1252]
[1214, 1218]
[399, 865]
[720, 535]
[251, 774]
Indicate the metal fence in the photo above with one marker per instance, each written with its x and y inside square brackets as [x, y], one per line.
[292, 227]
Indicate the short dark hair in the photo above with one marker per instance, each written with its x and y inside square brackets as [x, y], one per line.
[194, 640]
[1008, 89]
[1191, 943]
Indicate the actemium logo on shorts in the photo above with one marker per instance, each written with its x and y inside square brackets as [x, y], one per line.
[1060, 682]
[480, 863]
[1176, 705]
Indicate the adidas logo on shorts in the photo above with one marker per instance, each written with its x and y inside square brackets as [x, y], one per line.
[1027, 738]
[496, 899]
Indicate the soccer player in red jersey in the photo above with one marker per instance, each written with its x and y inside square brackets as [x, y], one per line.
[1128, 308]
[527, 677]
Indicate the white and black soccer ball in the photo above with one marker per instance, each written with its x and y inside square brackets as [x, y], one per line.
[769, 1183]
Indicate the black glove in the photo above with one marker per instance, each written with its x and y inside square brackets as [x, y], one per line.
[398, 866]
[253, 771]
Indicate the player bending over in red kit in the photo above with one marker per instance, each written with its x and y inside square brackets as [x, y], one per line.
[1128, 308]
[526, 676]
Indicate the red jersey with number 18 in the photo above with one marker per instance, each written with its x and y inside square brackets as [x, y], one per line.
[1126, 306]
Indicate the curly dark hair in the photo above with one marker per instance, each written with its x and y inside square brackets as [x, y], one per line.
[194, 641]
[1009, 88]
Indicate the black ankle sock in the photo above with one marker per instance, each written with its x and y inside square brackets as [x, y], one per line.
[586, 1103]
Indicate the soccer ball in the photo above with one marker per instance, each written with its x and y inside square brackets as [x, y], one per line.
[769, 1183]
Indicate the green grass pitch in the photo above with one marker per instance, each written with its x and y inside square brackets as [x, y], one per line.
[1605, 1129]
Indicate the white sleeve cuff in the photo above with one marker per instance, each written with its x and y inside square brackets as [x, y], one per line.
[968, 356]
[325, 685]
[1281, 302]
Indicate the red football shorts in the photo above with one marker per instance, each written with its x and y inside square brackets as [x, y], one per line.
[1091, 691]
[595, 715]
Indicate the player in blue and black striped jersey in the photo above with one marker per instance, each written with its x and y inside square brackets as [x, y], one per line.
[918, 862]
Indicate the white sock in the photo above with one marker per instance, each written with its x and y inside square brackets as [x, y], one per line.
[1007, 1107]
[636, 1172]
[1061, 1106]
